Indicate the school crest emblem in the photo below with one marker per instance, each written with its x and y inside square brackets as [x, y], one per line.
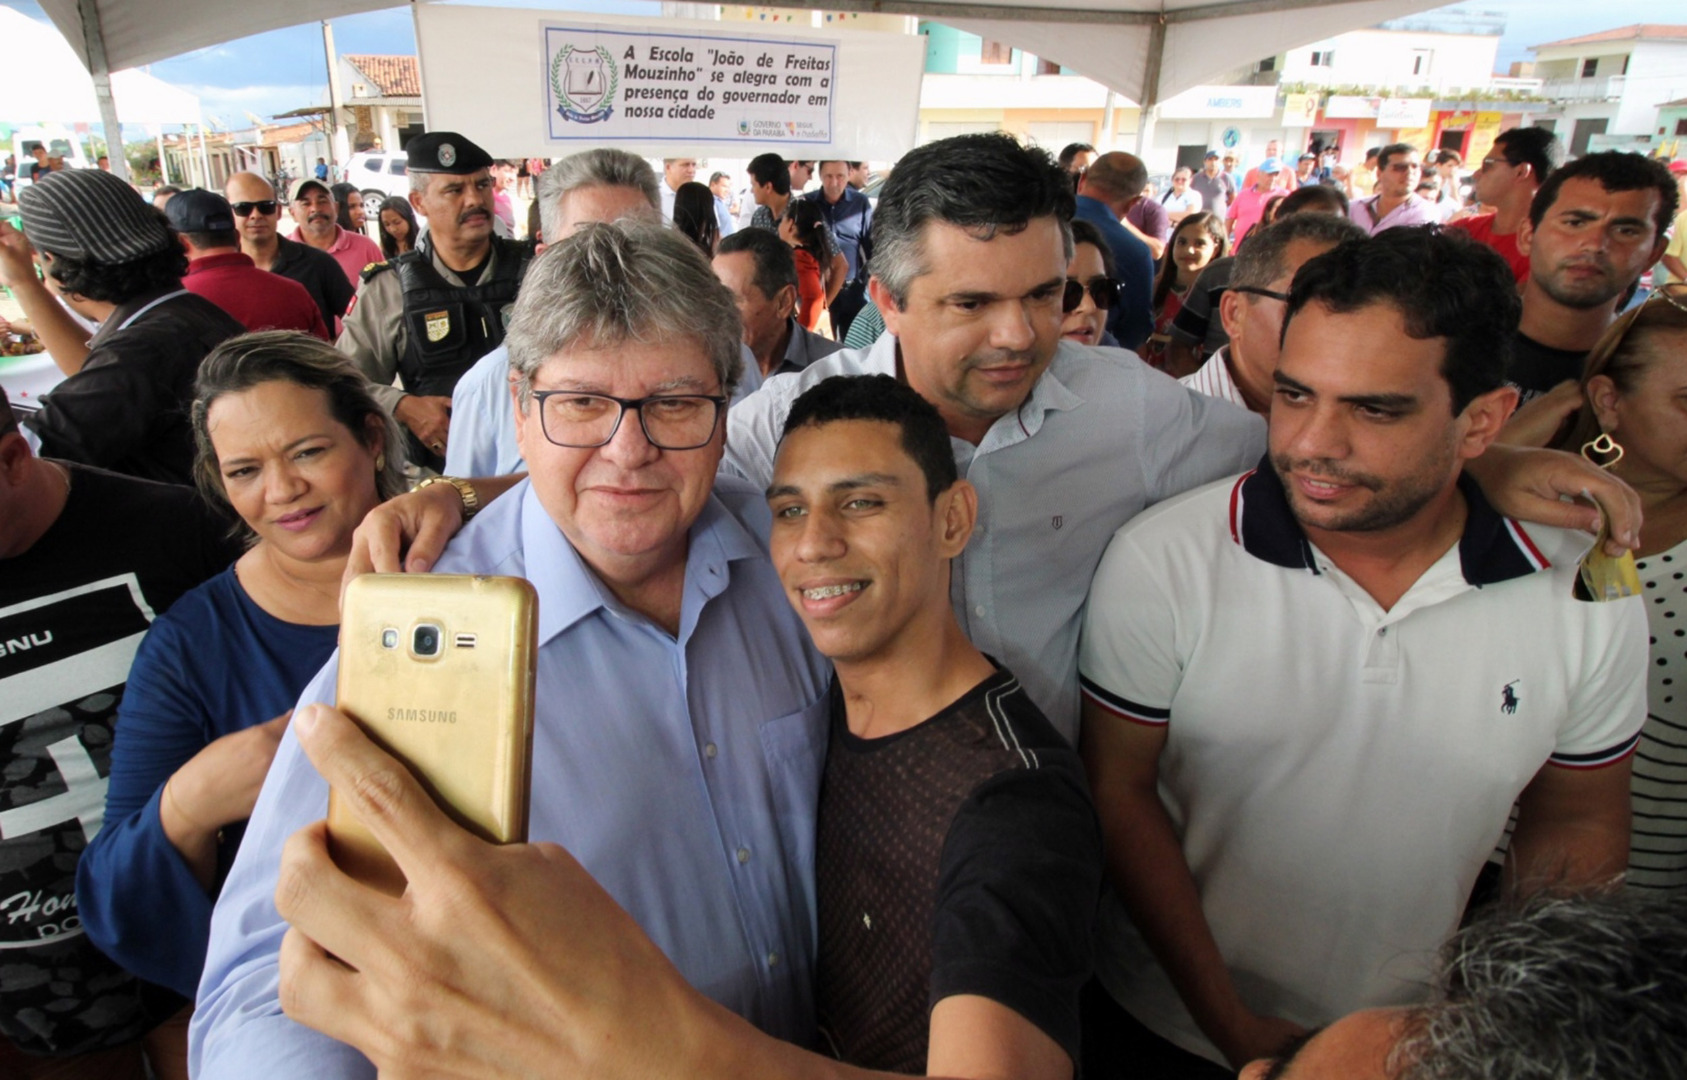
[584, 82]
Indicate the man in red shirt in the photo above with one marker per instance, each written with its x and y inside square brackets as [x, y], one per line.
[1510, 175]
[317, 216]
[216, 270]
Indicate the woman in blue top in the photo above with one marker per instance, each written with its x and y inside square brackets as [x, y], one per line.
[290, 439]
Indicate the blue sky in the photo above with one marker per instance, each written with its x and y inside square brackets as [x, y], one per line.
[284, 69]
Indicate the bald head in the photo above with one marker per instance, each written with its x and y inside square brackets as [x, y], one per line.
[248, 187]
[1115, 177]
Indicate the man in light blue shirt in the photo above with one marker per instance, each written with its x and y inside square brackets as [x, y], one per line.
[1064, 443]
[681, 711]
[593, 186]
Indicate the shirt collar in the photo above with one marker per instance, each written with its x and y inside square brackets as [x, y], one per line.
[797, 355]
[568, 589]
[1492, 549]
[218, 261]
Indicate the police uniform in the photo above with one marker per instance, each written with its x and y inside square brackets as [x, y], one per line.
[418, 320]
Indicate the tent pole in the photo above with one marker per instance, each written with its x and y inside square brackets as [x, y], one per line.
[93, 37]
[204, 157]
[163, 159]
[1151, 85]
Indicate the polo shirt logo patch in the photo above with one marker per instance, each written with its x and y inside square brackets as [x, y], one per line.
[1508, 697]
[438, 325]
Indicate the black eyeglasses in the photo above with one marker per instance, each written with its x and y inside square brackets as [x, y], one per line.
[1103, 290]
[244, 209]
[670, 421]
[1254, 290]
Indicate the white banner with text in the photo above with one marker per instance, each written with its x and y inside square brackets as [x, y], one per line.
[665, 88]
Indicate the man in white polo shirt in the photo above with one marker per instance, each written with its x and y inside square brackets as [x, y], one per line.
[1313, 694]
[1253, 302]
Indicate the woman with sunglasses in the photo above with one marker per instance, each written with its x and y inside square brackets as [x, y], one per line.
[1197, 241]
[1633, 418]
[1092, 288]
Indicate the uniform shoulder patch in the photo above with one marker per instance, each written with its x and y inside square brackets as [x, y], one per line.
[375, 268]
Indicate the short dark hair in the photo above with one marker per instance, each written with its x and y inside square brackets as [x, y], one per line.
[770, 169]
[166, 189]
[1449, 157]
[984, 183]
[1117, 174]
[1392, 150]
[1084, 232]
[714, 176]
[118, 282]
[210, 241]
[1536, 147]
[1069, 153]
[925, 438]
[1314, 198]
[1372, 152]
[1443, 284]
[776, 267]
[1259, 262]
[1613, 170]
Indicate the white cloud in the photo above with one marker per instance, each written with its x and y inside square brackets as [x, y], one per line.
[230, 104]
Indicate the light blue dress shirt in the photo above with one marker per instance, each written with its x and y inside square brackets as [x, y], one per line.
[482, 441]
[683, 774]
[1101, 438]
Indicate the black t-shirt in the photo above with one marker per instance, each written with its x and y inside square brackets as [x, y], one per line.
[1537, 368]
[127, 409]
[319, 273]
[73, 609]
[961, 856]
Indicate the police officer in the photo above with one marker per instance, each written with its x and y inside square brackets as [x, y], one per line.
[430, 313]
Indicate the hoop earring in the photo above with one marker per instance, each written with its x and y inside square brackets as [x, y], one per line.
[1601, 446]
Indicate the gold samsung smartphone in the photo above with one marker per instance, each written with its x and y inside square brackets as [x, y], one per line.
[438, 669]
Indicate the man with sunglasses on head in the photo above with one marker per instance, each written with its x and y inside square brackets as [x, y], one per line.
[1506, 181]
[257, 212]
[1397, 201]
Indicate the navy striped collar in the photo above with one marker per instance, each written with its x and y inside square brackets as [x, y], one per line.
[1493, 548]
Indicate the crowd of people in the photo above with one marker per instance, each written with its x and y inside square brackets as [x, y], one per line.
[928, 681]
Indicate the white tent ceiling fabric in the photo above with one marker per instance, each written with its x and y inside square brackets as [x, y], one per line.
[47, 82]
[1203, 38]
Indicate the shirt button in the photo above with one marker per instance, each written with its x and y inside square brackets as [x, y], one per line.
[743, 854]
[709, 750]
[772, 959]
[979, 611]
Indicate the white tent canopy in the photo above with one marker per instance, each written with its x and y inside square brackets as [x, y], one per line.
[1146, 50]
[46, 82]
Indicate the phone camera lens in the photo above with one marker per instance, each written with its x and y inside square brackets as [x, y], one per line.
[424, 640]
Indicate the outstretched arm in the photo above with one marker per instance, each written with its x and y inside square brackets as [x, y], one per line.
[511, 960]
[1533, 485]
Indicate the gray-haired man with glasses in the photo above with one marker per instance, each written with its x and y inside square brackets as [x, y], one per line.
[681, 709]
